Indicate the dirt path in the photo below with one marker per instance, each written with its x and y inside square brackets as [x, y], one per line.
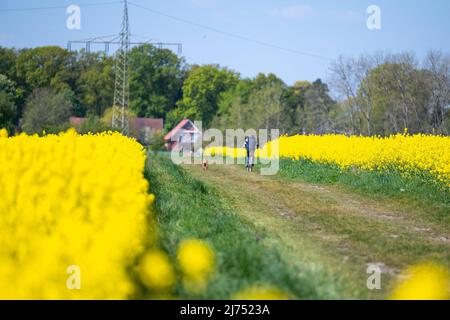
[330, 228]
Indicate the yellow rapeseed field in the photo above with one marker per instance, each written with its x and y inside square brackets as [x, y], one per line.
[76, 221]
[76, 218]
[70, 200]
[409, 154]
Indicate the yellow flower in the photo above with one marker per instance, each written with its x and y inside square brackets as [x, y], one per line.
[156, 271]
[71, 200]
[260, 293]
[423, 282]
[406, 153]
[3, 133]
[196, 260]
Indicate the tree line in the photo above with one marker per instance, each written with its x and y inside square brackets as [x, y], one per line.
[386, 93]
[40, 88]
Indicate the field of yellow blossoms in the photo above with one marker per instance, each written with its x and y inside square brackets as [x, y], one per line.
[70, 204]
[75, 218]
[407, 153]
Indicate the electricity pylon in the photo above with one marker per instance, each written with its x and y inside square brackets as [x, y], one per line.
[120, 110]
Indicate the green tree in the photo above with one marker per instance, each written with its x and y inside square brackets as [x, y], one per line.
[293, 118]
[437, 65]
[174, 117]
[156, 142]
[156, 80]
[10, 99]
[318, 105]
[202, 90]
[399, 96]
[7, 112]
[47, 111]
[42, 67]
[93, 124]
[252, 104]
[95, 84]
[231, 111]
[8, 59]
[8, 87]
[262, 81]
[264, 107]
[384, 94]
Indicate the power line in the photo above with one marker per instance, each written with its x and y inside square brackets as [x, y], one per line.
[226, 33]
[230, 34]
[113, 36]
[59, 7]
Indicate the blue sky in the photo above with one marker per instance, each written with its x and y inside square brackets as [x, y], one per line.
[322, 27]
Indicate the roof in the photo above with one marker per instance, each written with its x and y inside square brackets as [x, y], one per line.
[178, 127]
[155, 124]
[76, 121]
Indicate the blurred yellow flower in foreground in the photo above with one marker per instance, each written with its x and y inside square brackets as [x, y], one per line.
[423, 282]
[156, 271]
[3, 133]
[71, 200]
[260, 293]
[196, 260]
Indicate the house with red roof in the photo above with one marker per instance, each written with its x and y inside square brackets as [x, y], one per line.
[183, 136]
